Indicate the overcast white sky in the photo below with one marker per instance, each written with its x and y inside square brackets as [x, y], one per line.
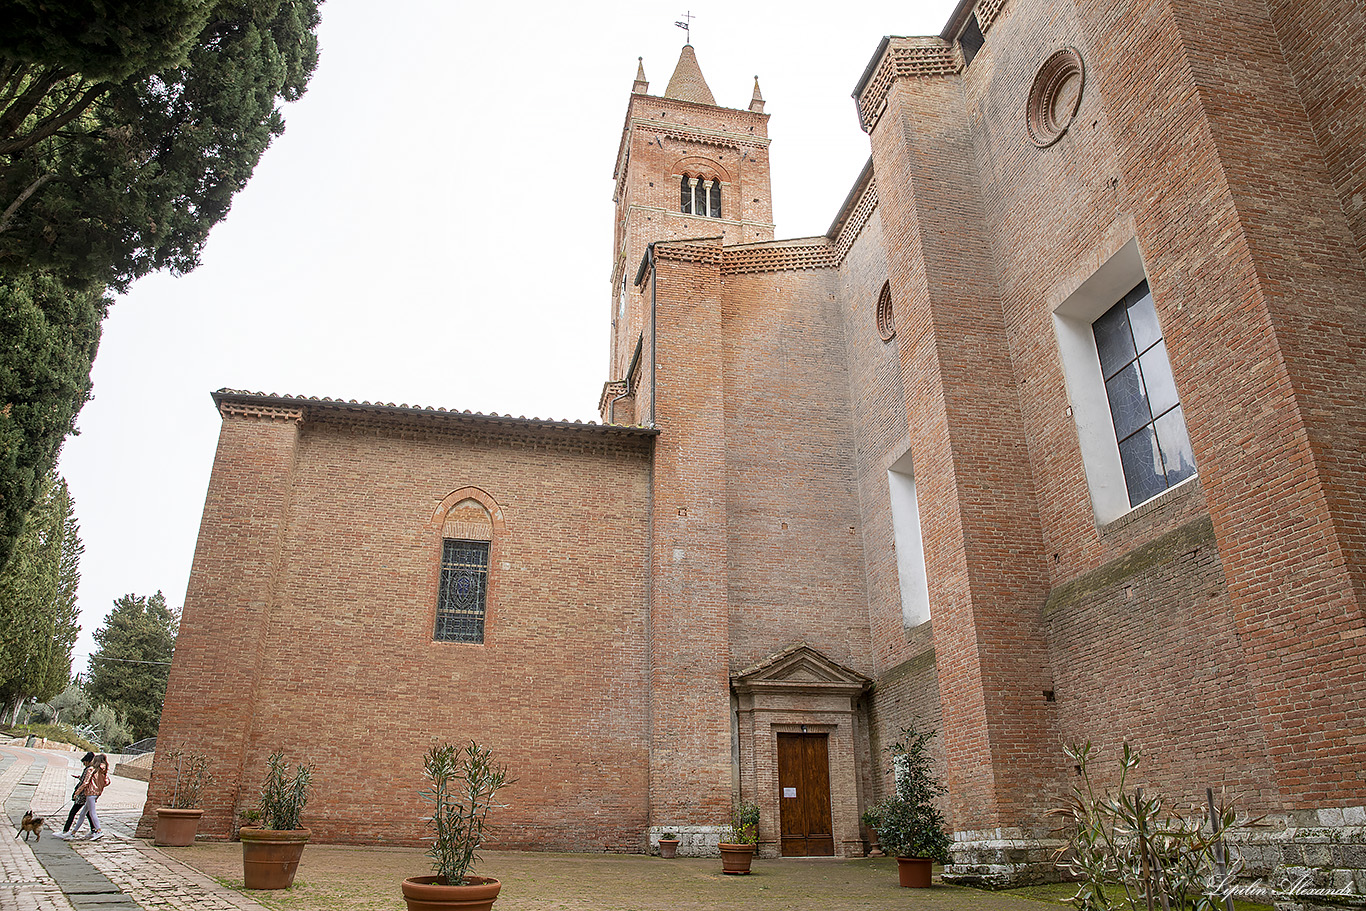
[435, 228]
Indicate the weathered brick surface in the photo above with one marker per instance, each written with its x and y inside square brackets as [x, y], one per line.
[1219, 627]
[323, 542]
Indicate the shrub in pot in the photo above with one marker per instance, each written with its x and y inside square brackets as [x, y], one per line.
[737, 850]
[178, 821]
[909, 825]
[272, 850]
[462, 784]
[668, 845]
[871, 821]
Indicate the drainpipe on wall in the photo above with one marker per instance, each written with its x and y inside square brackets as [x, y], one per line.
[630, 372]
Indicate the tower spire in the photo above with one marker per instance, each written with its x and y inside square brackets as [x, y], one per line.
[687, 84]
[642, 85]
[756, 104]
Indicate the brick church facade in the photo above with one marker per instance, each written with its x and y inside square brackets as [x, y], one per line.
[1058, 433]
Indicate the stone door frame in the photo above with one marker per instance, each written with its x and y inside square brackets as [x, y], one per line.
[800, 690]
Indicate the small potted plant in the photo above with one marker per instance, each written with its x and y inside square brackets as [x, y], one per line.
[737, 851]
[463, 782]
[178, 821]
[871, 822]
[909, 825]
[272, 850]
[668, 845]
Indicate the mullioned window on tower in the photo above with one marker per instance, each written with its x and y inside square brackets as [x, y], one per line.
[700, 196]
[464, 586]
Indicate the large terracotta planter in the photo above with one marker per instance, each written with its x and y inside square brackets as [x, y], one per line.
[914, 872]
[176, 828]
[433, 893]
[668, 847]
[736, 858]
[270, 857]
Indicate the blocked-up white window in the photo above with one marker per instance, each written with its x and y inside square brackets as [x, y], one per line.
[910, 548]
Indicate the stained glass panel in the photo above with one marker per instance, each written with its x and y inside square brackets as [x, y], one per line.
[1142, 460]
[1128, 404]
[1114, 342]
[461, 598]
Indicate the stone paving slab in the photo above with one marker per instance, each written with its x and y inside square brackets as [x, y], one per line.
[113, 873]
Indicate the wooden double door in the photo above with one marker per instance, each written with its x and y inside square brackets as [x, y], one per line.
[804, 795]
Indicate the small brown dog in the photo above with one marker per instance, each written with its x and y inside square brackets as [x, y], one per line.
[32, 824]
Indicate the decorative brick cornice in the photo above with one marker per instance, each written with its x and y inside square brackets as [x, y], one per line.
[817, 253]
[689, 252]
[260, 412]
[987, 11]
[858, 214]
[719, 138]
[405, 418]
[904, 58]
[610, 390]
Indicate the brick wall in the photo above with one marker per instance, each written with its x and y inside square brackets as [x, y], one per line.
[979, 518]
[345, 671]
[795, 558]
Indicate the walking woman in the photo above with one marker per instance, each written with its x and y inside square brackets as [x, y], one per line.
[77, 801]
[91, 787]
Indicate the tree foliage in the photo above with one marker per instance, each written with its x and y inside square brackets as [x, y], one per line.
[129, 669]
[51, 332]
[39, 619]
[125, 130]
[142, 165]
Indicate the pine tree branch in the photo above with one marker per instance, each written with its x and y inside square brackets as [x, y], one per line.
[54, 122]
[23, 197]
[15, 114]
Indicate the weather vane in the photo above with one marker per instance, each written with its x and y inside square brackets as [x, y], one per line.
[686, 24]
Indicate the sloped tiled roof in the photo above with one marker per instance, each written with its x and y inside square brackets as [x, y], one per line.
[381, 408]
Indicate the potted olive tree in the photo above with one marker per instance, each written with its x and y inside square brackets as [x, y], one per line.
[908, 823]
[178, 821]
[737, 851]
[462, 784]
[272, 850]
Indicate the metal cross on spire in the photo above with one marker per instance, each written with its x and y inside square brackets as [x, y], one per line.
[686, 25]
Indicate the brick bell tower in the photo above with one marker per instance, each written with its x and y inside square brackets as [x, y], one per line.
[686, 168]
[691, 178]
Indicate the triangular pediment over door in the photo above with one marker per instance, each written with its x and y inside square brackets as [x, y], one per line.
[800, 669]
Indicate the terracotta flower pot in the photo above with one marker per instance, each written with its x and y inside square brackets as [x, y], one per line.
[270, 857]
[914, 872]
[433, 893]
[736, 858]
[668, 847]
[176, 828]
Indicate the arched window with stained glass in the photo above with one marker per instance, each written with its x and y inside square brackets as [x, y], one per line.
[462, 594]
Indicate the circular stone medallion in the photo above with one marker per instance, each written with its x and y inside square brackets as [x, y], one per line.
[1055, 96]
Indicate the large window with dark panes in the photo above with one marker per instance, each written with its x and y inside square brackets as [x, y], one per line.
[700, 196]
[1154, 448]
[464, 586]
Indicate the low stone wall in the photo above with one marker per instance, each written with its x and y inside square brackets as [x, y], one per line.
[40, 743]
[693, 841]
[138, 768]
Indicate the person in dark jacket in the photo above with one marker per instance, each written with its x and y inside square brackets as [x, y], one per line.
[91, 787]
[78, 801]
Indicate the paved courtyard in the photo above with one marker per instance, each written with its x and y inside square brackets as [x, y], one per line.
[122, 873]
